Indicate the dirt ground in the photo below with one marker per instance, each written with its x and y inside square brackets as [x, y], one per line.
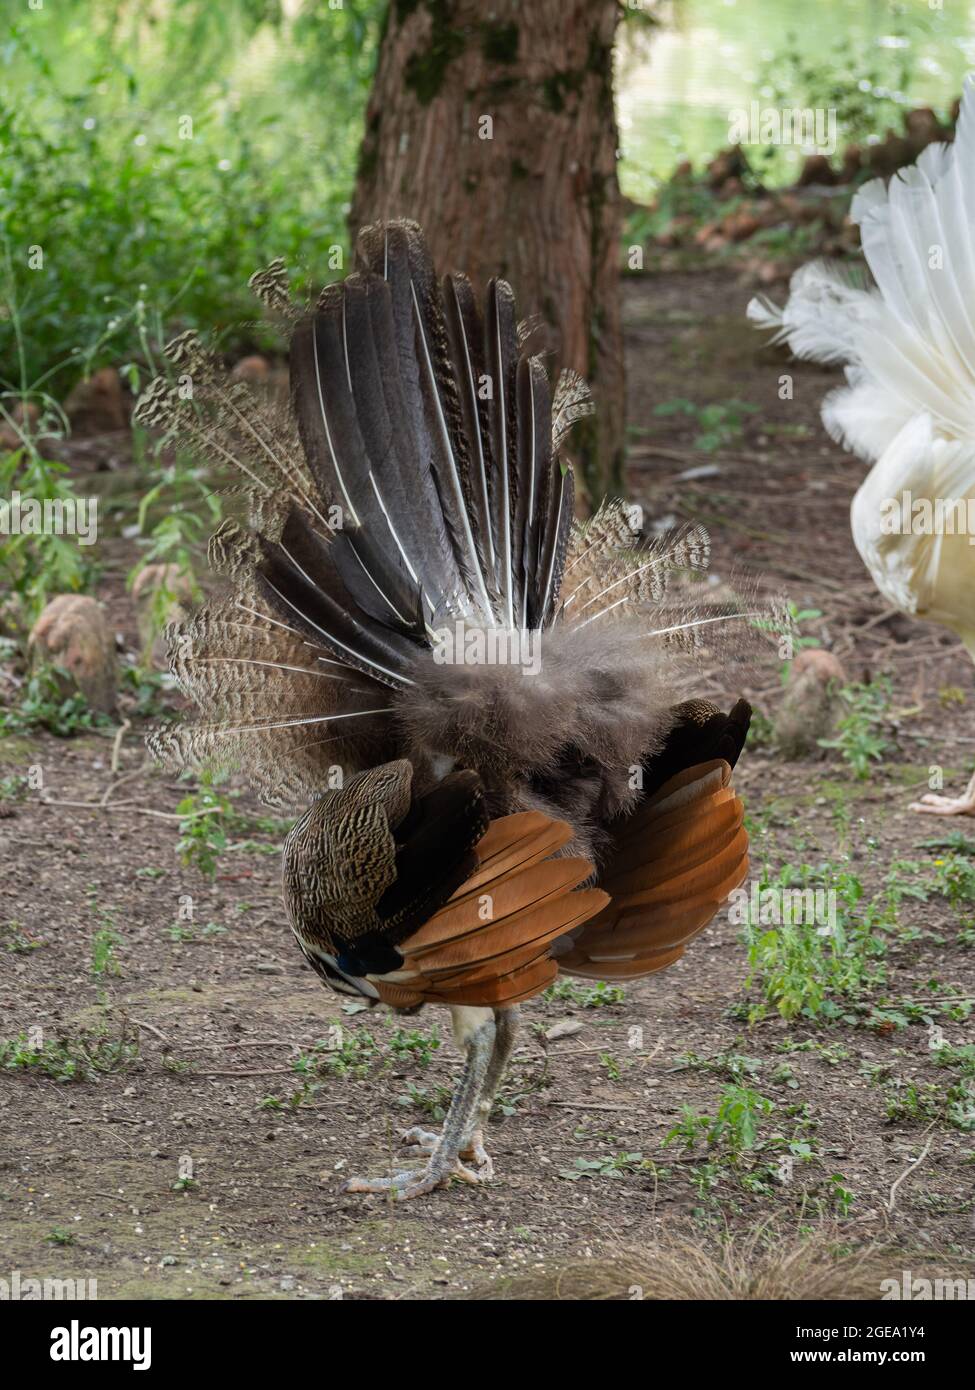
[199, 1162]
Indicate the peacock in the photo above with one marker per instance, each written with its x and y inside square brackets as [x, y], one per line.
[905, 334]
[473, 700]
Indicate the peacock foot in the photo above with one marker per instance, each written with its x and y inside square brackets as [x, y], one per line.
[426, 1140]
[417, 1182]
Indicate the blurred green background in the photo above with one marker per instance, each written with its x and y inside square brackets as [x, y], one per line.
[158, 151]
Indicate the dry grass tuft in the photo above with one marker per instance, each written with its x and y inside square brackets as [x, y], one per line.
[761, 1265]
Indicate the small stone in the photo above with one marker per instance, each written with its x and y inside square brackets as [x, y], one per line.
[565, 1028]
[98, 404]
[73, 634]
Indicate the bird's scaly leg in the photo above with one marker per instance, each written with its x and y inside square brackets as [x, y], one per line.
[933, 805]
[475, 1031]
[506, 1030]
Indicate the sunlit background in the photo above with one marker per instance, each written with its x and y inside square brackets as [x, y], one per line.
[175, 144]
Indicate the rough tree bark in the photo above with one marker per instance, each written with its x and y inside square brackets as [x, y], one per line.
[493, 125]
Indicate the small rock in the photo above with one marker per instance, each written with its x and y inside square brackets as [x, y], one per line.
[564, 1029]
[809, 710]
[73, 634]
[254, 369]
[816, 172]
[163, 594]
[729, 164]
[97, 405]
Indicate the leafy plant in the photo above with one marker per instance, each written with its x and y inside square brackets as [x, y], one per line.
[861, 737]
[734, 1126]
[122, 129]
[720, 423]
[202, 836]
[44, 705]
[809, 968]
[80, 1058]
[414, 1043]
[104, 945]
[597, 996]
[606, 1166]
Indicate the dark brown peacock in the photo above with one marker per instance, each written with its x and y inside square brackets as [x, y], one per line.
[479, 697]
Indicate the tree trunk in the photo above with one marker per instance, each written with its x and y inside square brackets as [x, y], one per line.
[494, 127]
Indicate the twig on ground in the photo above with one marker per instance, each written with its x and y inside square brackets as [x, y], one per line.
[891, 1200]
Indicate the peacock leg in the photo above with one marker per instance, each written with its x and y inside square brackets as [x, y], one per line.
[933, 805]
[506, 1030]
[474, 1030]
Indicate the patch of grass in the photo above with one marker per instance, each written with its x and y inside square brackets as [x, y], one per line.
[414, 1044]
[44, 705]
[720, 424]
[104, 944]
[810, 969]
[202, 833]
[607, 1166]
[598, 996]
[862, 732]
[81, 1058]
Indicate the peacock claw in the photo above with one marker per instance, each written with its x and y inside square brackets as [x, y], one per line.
[417, 1182]
[426, 1140]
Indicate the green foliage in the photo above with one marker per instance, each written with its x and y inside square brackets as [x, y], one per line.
[15, 938]
[809, 969]
[202, 836]
[734, 1127]
[80, 1058]
[347, 1052]
[919, 1102]
[146, 688]
[36, 567]
[861, 736]
[432, 1102]
[43, 705]
[954, 879]
[865, 86]
[606, 1166]
[598, 996]
[414, 1044]
[720, 424]
[181, 149]
[104, 944]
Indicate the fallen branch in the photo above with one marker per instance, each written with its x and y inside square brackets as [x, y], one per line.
[891, 1200]
[139, 810]
[117, 746]
[151, 1028]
